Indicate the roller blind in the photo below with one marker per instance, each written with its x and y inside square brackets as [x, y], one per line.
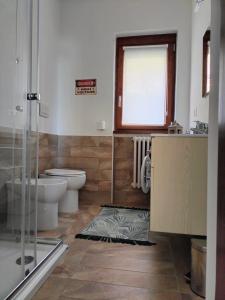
[145, 85]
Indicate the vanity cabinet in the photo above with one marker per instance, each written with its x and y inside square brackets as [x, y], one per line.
[179, 184]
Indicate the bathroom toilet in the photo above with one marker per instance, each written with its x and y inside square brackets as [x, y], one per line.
[75, 181]
[50, 193]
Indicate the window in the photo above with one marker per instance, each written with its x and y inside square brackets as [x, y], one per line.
[206, 64]
[145, 83]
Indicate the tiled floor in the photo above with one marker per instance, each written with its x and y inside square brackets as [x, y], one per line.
[101, 271]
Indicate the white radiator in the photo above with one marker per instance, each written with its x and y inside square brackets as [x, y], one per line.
[142, 144]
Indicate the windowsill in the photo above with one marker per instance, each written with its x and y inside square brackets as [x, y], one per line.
[139, 131]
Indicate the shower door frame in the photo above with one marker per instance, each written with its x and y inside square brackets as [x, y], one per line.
[38, 266]
[21, 73]
[220, 255]
[32, 115]
[27, 24]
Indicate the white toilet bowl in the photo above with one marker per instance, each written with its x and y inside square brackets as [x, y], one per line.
[75, 180]
[50, 193]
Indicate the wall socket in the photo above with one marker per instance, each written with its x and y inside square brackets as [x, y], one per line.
[101, 125]
[195, 112]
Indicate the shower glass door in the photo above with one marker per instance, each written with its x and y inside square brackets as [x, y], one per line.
[18, 145]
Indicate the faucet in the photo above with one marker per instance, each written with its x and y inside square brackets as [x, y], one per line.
[201, 128]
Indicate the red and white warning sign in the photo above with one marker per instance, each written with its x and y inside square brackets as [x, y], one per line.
[86, 87]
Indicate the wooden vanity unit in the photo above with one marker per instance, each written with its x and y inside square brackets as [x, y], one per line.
[179, 184]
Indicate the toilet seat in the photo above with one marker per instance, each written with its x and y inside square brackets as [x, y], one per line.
[64, 172]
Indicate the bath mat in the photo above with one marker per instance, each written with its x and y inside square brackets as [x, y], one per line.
[119, 225]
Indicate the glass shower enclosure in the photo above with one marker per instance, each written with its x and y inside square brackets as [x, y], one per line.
[21, 252]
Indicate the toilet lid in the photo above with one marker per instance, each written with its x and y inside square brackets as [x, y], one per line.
[64, 172]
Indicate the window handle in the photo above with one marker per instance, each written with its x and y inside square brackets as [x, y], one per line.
[120, 101]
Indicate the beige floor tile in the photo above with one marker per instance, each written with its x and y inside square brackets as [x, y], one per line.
[106, 271]
[127, 278]
[125, 263]
[97, 291]
[51, 290]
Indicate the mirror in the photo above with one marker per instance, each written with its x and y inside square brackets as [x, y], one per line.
[200, 63]
[206, 64]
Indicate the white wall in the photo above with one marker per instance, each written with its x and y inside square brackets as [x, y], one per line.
[49, 62]
[7, 60]
[13, 76]
[201, 19]
[88, 33]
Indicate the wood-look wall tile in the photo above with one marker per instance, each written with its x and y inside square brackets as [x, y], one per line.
[63, 151]
[91, 186]
[53, 140]
[43, 139]
[122, 174]
[89, 141]
[137, 195]
[123, 164]
[123, 185]
[94, 155]
[124, 194]
[93, 174]
[45, 164]
[69, 141]
[123, 141]
[94, 198]
[98, 152]
[105, 163]
[98, 175]
[78, 163]
[105, 186]
[84, 141]
[105, 141]
[105, 175]
[134, 198]
[124, 151]
[47, 152]
[46, 139]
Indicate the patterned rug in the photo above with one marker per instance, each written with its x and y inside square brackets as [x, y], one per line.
[119, 225]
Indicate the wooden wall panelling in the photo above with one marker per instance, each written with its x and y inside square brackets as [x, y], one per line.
[48, 150]
[92, 154]
[124, 194]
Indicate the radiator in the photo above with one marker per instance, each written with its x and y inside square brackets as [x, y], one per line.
[142, 144]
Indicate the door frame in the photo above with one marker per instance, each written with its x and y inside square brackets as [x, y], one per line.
[216, 161]
[220, 251]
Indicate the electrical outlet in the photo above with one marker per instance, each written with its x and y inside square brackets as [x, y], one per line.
[195, 112]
